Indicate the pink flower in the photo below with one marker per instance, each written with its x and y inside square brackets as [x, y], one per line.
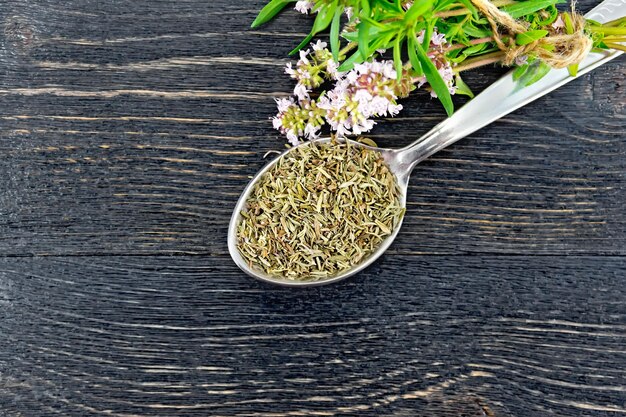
[364, 126]
[521, 60]
[446, 73]
[303, 58]
[438, 39]
[366, 91]
[558, 23]
[289, 70]
[313, 67]
[331, 69]
[319, 45]
[292, 138]
[304, 6]
[394, 109]
[284, 103]
[301, 92]
[296, 120]
[312, 131]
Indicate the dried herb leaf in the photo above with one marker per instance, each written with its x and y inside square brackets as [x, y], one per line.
[321, 210]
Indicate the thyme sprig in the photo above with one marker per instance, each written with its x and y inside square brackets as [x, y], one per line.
[433, 41]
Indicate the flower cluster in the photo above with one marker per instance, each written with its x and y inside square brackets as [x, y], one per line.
[297, 120]
[306, 6]
[369, 90]
[312, 69]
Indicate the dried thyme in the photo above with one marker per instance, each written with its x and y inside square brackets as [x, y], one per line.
[322, 209]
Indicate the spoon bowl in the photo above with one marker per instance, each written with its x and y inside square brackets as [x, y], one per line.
[498, 100]
[390, 157]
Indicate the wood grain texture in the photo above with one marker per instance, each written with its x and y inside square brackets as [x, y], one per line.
[128, 130]
[419, 336]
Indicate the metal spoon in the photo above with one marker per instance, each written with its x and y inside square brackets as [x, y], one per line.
[501, 98]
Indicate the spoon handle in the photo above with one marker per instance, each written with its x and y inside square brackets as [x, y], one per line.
[503, 97]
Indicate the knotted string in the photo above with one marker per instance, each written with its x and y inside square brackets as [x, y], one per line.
[558, 51]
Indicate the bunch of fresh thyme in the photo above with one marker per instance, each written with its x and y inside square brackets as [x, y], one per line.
[323, 208]
[381, 50]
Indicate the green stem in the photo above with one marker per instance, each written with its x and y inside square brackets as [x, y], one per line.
[608, 30]
[616, 22]
[464, 10]
[472, 42]
[347, 49]
[479, 61]
[451, 13]
[617, 46]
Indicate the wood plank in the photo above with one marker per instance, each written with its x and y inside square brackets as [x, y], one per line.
[129, 128]
[412, 336]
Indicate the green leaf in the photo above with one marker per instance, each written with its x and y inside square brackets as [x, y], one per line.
[553, 14]
[530, 36]
[535, 72]
[475, 32]
[389, 7]
[377, 44]
[437, 83]
[569, 25]
[334, 34]
[530, 6]
[462, 88]
[324, 16]
[387, 40]
[519, 71]
[269, 11]
[365, 8]
[443, 5]
[468, 4]
[397, 57]
[418, 8]
[374, 32]
[450, 31]
[376, 23]
[428, 33]
[302, 44]
[596, 23]
[573, 70]
[413, 59]
[363, 28]
[454, 54]
[474, 49]
[348, 64]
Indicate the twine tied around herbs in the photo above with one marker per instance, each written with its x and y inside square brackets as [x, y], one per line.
[558, 51]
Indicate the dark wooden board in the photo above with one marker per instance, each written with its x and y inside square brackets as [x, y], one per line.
[412, 336]
[127, 131]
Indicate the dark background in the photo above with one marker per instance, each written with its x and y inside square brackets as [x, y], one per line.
[128, 130]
